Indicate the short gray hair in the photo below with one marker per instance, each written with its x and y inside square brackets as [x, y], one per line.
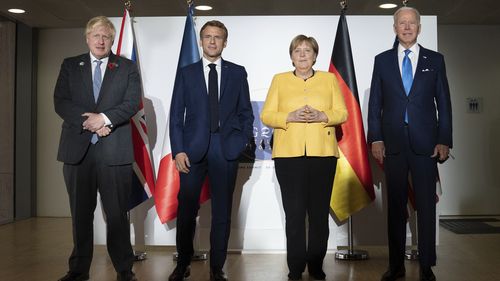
[405, 8]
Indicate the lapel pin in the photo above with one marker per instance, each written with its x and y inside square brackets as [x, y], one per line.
[112, 65]
[81, 63]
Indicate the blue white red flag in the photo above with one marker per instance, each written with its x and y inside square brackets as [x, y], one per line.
[144, 180]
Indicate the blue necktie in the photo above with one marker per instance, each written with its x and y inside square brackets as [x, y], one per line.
[97, 81]
[407, 76]
[213, 98]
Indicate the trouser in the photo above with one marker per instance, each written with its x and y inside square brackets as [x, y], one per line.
[423, 171]
[306, 186]
[222, 177]
[83, 180]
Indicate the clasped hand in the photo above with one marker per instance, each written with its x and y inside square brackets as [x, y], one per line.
[307, 114]
[95, 124]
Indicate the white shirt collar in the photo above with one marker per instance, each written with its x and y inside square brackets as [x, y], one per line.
[93, 58]
[207, 62]
[414, 49]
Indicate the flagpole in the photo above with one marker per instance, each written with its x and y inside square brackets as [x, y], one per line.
[412, 252]
[350, 253]
[198, 255]
[138, 255]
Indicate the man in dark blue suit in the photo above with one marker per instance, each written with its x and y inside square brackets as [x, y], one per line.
[209, 128]
[410, 130]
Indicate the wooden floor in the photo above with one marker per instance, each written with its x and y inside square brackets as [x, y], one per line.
[37, 249]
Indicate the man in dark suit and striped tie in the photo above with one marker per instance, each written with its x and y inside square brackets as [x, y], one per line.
[96, 95]
[410, 130]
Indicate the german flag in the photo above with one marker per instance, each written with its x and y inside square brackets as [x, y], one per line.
[353, 186]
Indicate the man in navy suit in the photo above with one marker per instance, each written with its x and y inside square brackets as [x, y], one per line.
[211, 123]
[410, 130]
[96, 95]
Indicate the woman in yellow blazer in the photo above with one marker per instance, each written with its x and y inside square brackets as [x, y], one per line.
[303, 106]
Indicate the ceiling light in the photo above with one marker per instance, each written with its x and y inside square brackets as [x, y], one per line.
[203, 8]
[387, 6]
[17, 11]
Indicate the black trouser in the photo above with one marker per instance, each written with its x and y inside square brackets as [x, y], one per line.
[423, 171]
[114, 184]
[222, 177]
[306, 187]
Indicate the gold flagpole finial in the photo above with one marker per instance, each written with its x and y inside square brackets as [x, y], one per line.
[405, 2]
[189, 2]
[343, 5]
[128, 5]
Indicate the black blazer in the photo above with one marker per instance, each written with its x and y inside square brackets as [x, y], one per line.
[119, 100]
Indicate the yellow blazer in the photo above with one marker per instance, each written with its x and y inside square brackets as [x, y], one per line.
[288, 93]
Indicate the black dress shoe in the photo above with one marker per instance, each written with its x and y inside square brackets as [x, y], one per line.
[73, 276]
[394, 274]
[294, 276]
[126, 276]
[426, 274]
[179, 273]
[217, 275]
[317, 275]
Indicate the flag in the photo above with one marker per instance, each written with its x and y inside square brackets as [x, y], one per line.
[353, 185]
[168, 182]
[144, 179]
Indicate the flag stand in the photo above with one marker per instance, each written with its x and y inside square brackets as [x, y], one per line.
[350, 253]
[138, 255]
[412, 252]
[198, 255]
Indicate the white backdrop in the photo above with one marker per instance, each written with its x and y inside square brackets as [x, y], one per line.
[261, 45]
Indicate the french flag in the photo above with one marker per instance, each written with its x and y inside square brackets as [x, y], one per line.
[168, 183]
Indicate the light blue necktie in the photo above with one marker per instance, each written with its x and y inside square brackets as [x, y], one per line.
[407, 75]
[97, 81]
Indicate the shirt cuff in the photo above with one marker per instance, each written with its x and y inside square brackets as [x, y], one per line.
[107, 122]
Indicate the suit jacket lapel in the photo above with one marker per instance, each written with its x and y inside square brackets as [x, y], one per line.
[223, 78]
[422, 62]
[109, 75]
[199, 75]
[85, 66]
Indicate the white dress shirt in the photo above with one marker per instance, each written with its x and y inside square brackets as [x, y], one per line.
[413, 56]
